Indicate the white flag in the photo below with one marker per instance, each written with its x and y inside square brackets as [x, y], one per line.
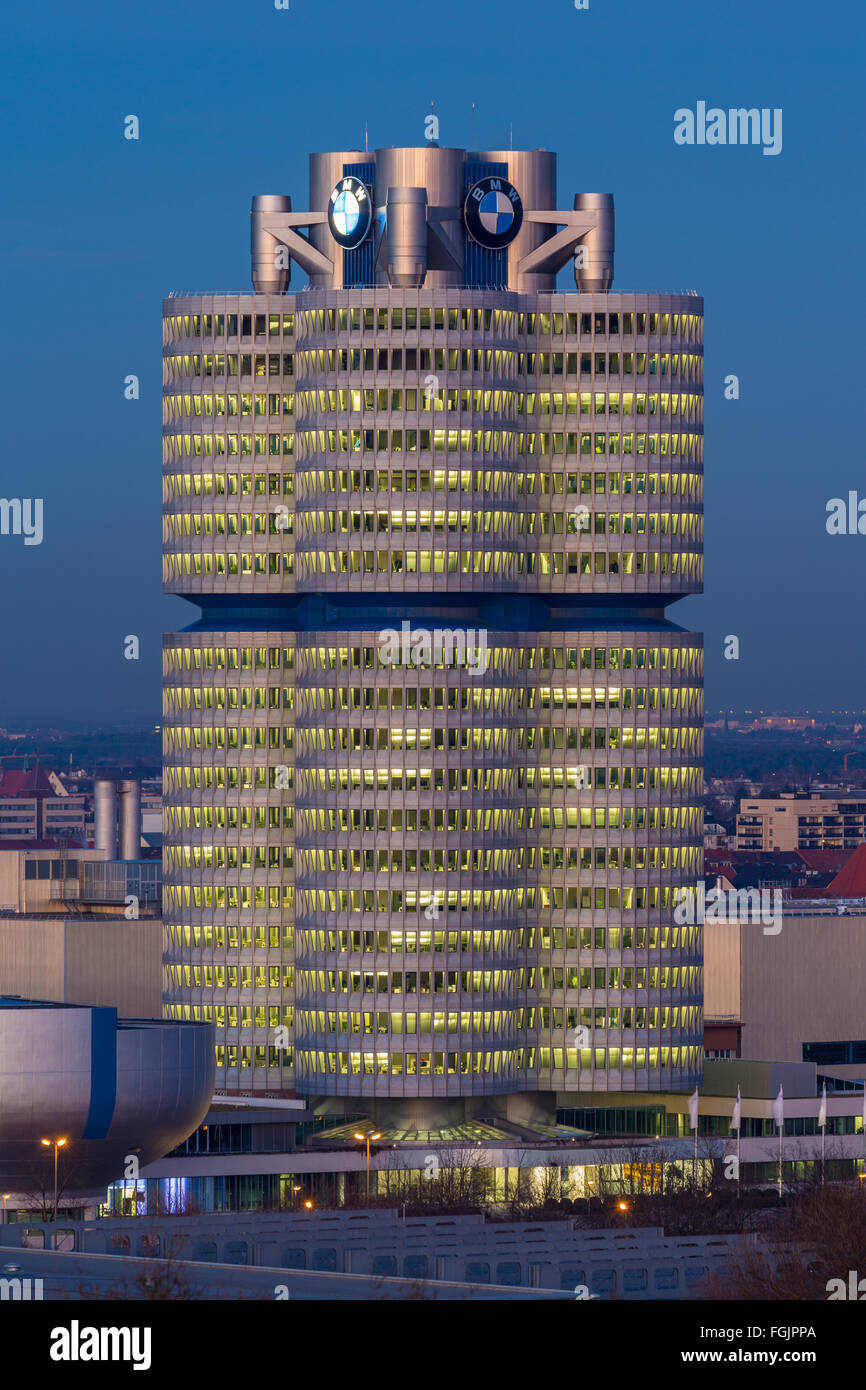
[735, 1117]
[779, 1110]
[822, 1108]
[693, 1110]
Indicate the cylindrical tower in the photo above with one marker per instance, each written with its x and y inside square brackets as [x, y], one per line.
[129, 797]
[326, 171]
[595, 273]
[270, 275]
[407, 237]
[533, 172]
[105, 815]
[433, 753]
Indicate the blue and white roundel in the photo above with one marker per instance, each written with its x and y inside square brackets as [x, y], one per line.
[493, 212]
[347, 214]
[496, 213]
[350, 212]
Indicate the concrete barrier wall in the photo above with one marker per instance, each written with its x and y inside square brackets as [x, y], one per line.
[638, 1263]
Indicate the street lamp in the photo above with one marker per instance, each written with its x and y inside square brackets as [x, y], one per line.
[367, 1137]
[6, 1196]
[56, 1144]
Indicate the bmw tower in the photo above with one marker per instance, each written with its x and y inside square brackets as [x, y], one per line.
[432, 746]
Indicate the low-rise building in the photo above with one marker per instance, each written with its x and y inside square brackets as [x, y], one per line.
[79, 928]
[789, 822]
[790, 995]
[35, 805]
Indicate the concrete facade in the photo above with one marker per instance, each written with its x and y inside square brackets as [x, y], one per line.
[800, 986]
[52, 879]
[300, 1251]
[84, 960]
[802, 822]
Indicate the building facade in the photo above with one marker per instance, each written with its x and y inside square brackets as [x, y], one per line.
[816, 821]
[34, 805]
[79, 928]
[432, 749]
[792, 996]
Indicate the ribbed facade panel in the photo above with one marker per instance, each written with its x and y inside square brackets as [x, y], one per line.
[439, 876]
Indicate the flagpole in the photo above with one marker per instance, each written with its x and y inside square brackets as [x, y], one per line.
[737, 1124]
[822, 1123]
[693, 1120]
[779, 1117]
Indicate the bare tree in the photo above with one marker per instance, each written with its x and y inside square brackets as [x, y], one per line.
[454, 1178]
[822, 1237]
[37, 1195]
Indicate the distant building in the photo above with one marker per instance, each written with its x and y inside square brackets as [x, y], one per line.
[151, 812]
[802, 822]
[79, 928]
[850, 881]
[42, 878]
[34, 805]
[803, 873]
[716, 836]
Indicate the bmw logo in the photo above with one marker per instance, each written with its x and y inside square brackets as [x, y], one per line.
[350, 212]
[493, 212]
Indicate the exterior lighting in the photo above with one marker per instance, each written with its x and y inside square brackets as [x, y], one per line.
[55, 1144]
[367, 1138]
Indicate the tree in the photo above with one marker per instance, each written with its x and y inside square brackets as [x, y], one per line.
[37, 1194]
[823, 1238]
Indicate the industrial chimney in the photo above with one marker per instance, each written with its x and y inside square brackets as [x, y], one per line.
[105, 815]
[130, 819]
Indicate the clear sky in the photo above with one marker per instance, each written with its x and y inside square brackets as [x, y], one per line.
[231, 97]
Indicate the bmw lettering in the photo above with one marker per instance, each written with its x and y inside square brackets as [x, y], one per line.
[350, 213]
[493, 212]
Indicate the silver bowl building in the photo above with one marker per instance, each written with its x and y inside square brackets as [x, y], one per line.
[433, 749]
[118, 1092]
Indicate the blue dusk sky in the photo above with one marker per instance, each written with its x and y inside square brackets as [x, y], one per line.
[231, 97]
